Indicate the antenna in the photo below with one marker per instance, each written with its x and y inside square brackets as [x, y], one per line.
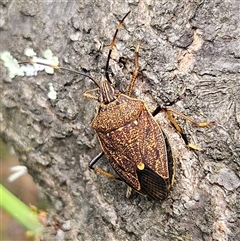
[63, 68]
[111, 47]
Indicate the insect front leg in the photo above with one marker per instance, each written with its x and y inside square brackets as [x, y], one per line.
[94, 161]
[177, 127]
[87, 94]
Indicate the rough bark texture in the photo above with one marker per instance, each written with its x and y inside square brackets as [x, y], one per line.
[191, 45]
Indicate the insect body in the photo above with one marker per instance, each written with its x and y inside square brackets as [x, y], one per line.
[135, 146]
[131, 139]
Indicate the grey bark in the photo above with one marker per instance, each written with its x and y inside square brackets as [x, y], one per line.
[185, 45]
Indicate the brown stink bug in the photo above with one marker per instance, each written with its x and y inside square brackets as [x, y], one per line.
[130, 137]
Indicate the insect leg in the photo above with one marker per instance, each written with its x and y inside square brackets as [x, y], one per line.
[177, 127]
[199, 124]
[94, 161]
[87, 94]
[135, 73]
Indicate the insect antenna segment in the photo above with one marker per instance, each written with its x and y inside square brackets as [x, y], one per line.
[112, 46]
[63, 68]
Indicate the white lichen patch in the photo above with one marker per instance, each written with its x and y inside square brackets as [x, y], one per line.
[11, 64]
[52, 94]
[16, 69]
[29, 52]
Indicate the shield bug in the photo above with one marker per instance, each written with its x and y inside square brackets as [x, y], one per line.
[131, 139]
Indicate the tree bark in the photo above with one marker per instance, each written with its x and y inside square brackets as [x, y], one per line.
[185, 45]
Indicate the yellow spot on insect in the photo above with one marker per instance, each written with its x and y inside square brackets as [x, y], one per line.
[140, 166]
[120, 129]
[135, 122]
